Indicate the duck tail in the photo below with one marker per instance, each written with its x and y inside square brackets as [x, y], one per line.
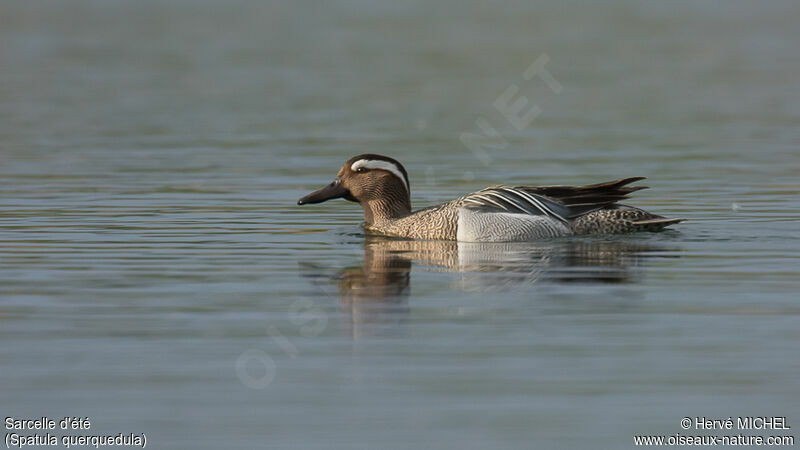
[620, 219]
[654, 224]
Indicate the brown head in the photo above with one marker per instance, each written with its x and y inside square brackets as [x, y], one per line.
[377, 182]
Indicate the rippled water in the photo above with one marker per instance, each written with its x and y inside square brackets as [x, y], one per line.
[157, 276]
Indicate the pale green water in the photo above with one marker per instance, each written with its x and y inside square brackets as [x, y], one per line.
[152, 154]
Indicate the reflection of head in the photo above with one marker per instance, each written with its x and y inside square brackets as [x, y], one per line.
[384, 276]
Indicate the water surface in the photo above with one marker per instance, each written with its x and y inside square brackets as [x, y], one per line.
[157, 276]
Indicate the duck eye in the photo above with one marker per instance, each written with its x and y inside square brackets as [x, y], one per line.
[361, 170]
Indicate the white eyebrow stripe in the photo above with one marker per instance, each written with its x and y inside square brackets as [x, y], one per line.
[378, 164]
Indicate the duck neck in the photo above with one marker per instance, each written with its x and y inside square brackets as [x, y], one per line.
[379, 211]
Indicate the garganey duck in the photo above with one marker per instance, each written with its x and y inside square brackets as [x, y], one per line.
[495, 214]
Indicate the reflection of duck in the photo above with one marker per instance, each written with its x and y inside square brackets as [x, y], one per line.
[377, 292]
[385, 272]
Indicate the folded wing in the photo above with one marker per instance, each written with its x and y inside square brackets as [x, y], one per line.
[563, 203]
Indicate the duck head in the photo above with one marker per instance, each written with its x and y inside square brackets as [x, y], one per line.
[379, 183]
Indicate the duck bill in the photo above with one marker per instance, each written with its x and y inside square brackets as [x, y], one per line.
[333, 190]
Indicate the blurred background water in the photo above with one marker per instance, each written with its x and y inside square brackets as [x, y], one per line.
[157, 276]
